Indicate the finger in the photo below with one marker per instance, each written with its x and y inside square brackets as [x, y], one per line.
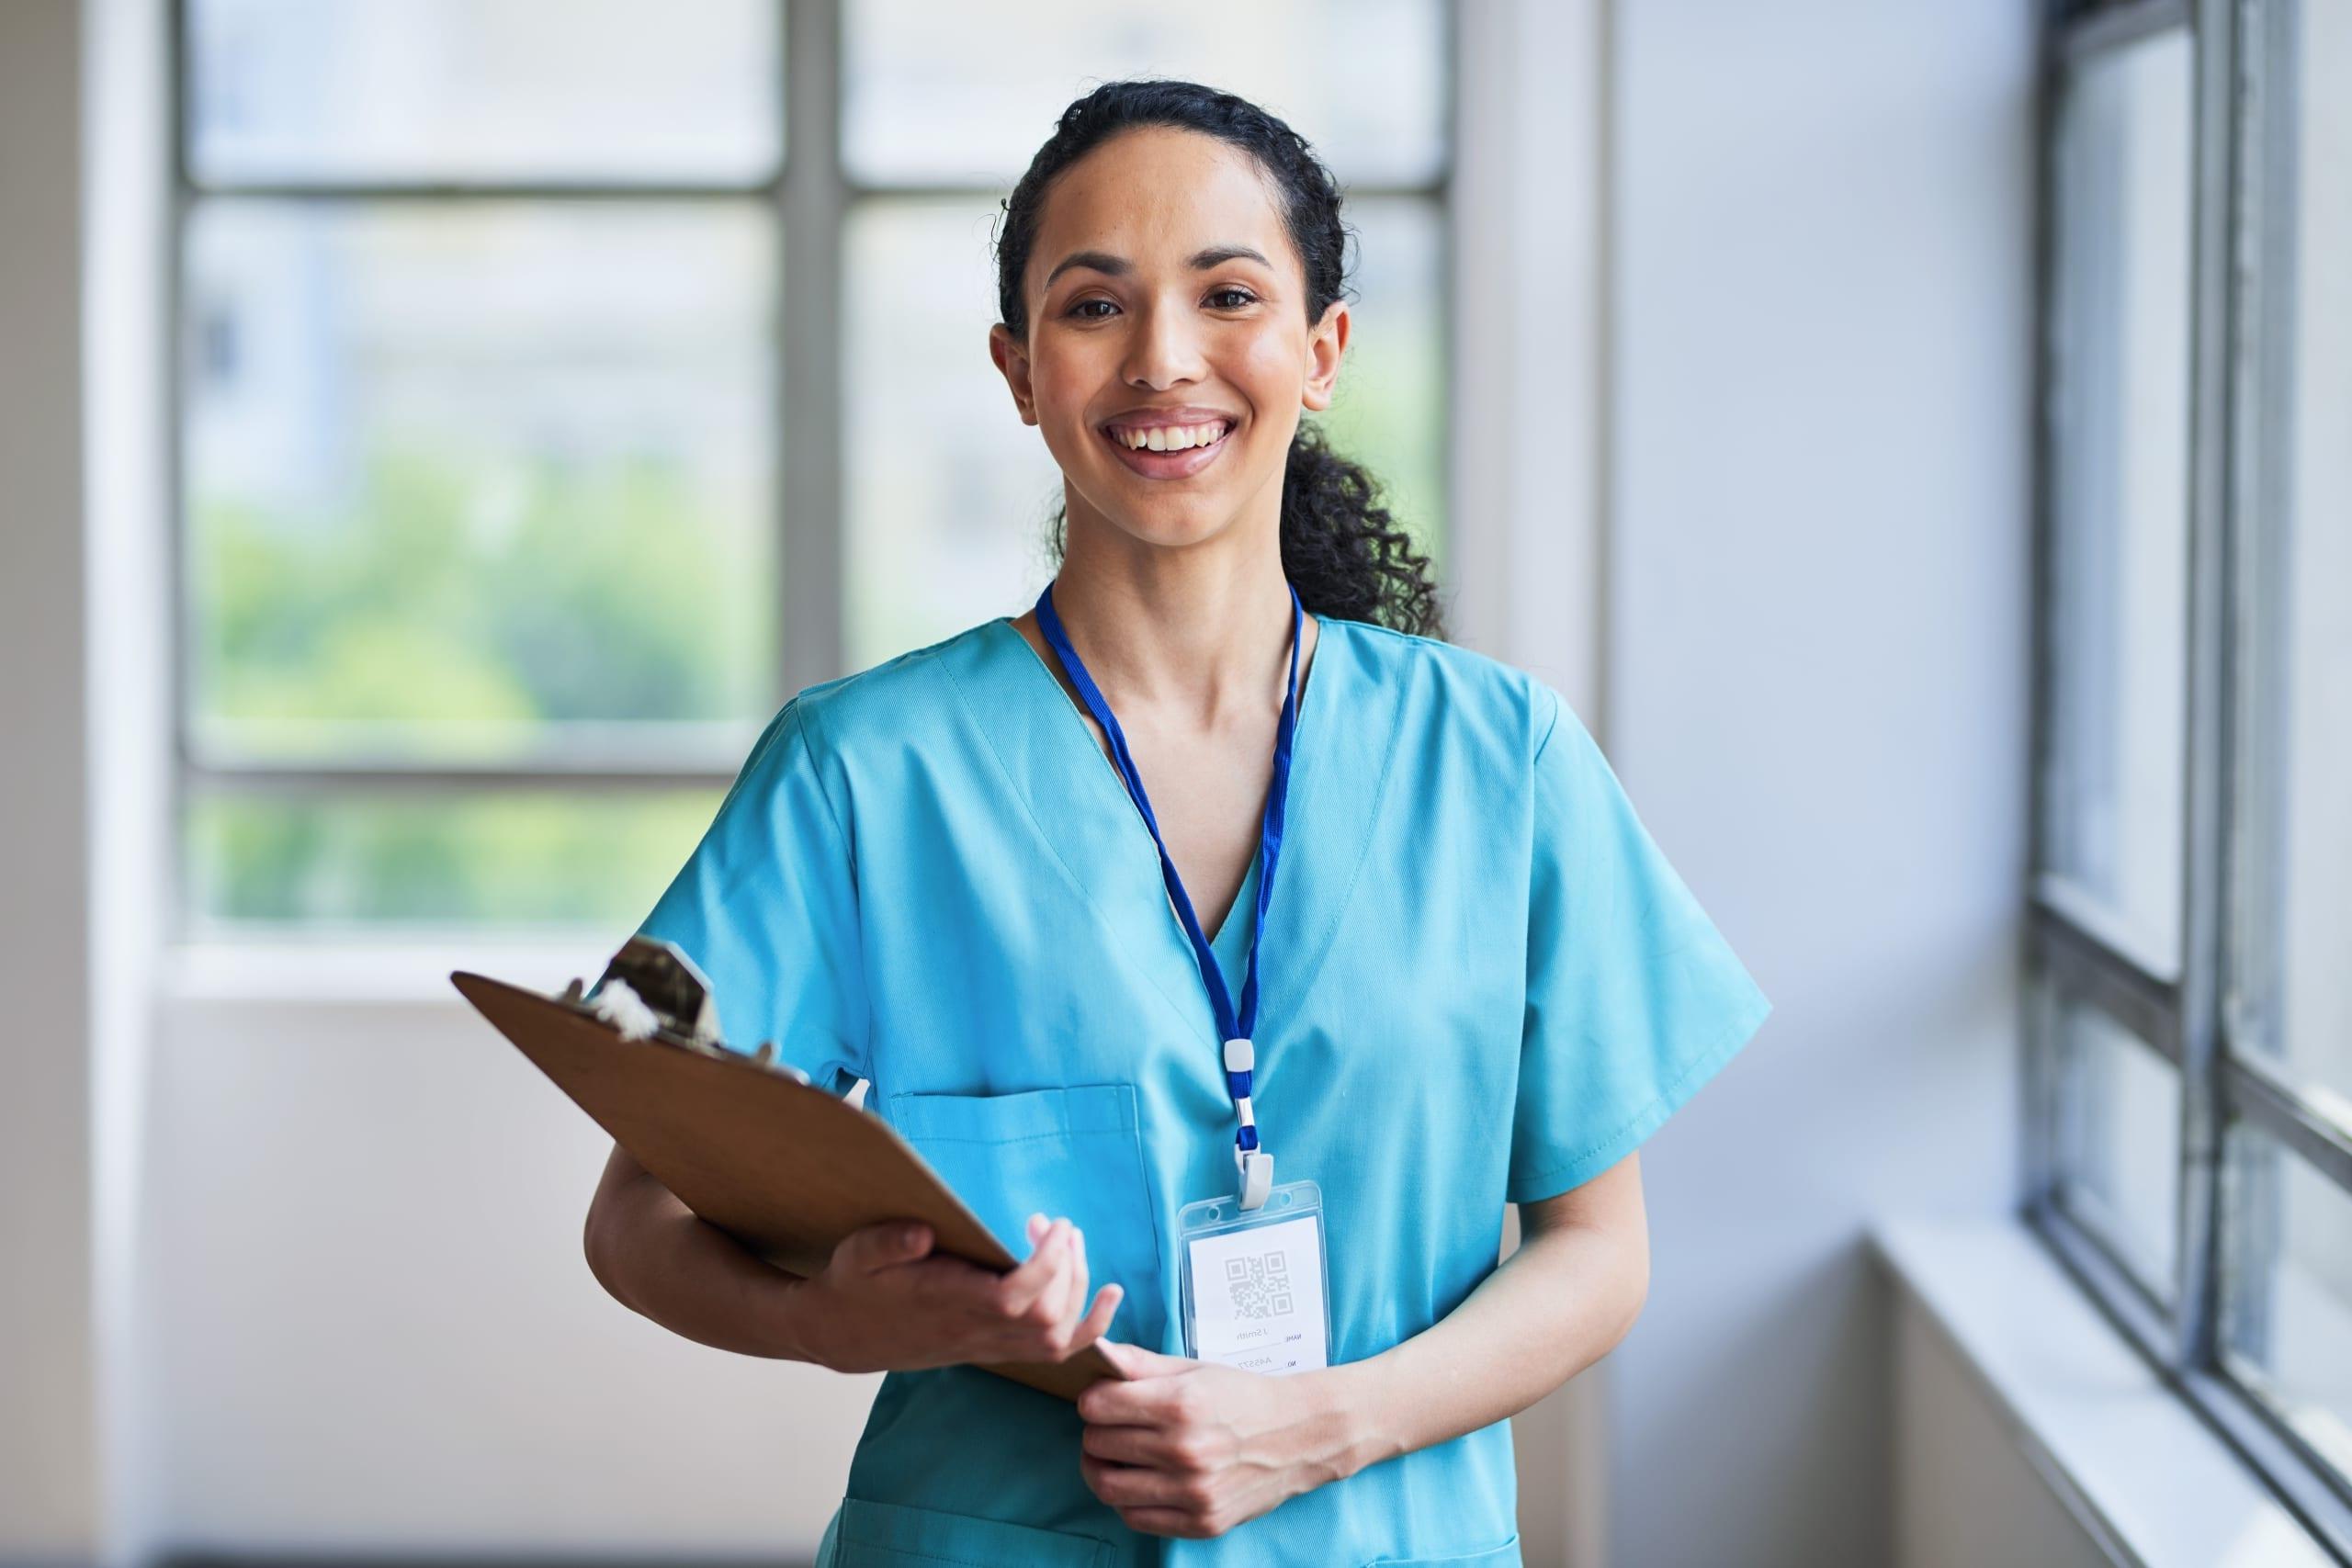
[1019, 1290]
[944, 1283]
[1074, 1297]
[1137, 1402]
[1135, 1485]
[1129, 1445]
[1097, 1321]
[1164, 1521]
[872, 1248]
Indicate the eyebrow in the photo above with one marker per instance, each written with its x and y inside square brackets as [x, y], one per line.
[1119, 267]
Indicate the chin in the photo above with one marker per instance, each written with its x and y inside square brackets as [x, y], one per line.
[1170, 527]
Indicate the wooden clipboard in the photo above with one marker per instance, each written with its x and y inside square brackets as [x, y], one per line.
[787, 1169]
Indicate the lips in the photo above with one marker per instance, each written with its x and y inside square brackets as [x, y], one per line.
[1181, 464]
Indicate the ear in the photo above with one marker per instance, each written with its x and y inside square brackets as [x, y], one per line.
[1013, 360]
[1326, 342]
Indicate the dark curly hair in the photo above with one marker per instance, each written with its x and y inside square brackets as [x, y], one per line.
[1340, 547]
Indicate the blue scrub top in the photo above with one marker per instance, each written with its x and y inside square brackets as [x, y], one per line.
[1480, 981]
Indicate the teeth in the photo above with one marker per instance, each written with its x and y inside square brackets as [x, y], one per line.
[1171, 438]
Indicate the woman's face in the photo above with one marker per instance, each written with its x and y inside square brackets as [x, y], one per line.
[1166, 304]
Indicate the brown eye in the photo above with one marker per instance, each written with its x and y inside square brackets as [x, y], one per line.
[1241, 296]
[1079, 309]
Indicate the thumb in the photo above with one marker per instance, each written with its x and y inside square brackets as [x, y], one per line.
[874, 1247]
[1135, 1361]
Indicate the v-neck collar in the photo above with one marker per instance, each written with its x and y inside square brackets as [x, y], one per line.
[1229, 929]
[1341, 758]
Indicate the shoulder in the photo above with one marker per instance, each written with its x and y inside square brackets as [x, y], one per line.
[1444, 689]
[897, 700]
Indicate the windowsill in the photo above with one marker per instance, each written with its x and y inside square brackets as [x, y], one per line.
[2124, 1453]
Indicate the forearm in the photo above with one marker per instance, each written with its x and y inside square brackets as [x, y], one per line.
[655, 1256]
[1558, 1304]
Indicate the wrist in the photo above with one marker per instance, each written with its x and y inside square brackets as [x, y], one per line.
[789, 1306]
[1356, 1415]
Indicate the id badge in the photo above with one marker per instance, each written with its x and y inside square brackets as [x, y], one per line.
[1254, 1282]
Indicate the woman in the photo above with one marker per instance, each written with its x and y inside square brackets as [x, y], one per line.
[983, 876]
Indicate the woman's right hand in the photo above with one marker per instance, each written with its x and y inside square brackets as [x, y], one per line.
[884, 1303]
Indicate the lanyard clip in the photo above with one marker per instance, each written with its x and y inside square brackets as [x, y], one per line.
[1257, 1168]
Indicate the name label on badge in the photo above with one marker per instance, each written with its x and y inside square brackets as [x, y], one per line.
[1256, 1296]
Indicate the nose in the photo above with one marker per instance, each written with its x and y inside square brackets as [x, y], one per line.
[1164, 350]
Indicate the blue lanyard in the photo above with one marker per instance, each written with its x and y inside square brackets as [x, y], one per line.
[1235, 1024]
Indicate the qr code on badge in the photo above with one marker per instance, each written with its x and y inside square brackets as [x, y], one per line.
[1259, 1286]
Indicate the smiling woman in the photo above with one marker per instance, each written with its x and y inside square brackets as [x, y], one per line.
[1108, 310]
[1217, 855]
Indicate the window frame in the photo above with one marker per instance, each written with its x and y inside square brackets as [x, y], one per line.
[811, 198]
[2238, 336]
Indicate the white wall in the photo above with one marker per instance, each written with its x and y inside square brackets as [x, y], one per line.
[49, 1498]
[1817, 693]
[374, 1326]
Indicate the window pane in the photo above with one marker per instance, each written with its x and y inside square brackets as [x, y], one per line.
[2119, 1141]
[950, 494]
[366, 861]
[2286, 1289]
[2294, 987]
[2119, 479]
[946, 92]
[458, 474]
[371, 91]
[1390, 411]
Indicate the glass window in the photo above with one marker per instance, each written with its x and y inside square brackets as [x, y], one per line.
[460, 476]
[2292, 982]
[2119, 1140]
[2119, 493]
[361, 861]
[368, 92]
[482, 591]
[1363, 80]
[948, 492]
[2196, 801]
[2287, 1309]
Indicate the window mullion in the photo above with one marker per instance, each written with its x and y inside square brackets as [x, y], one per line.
[814, 203]
[2092, 971]
[2206, 780]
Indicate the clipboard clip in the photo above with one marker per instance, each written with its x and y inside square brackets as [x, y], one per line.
[651, 989]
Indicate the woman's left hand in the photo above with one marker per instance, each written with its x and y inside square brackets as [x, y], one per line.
[1189, 1448]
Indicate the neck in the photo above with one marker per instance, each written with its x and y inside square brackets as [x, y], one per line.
[1197, 635]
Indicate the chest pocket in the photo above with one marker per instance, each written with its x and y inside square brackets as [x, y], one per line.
[1074, 1150]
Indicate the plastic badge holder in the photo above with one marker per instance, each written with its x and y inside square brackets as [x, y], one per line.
[1256, 1283]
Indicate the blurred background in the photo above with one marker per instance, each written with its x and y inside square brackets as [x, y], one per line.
[437, 435]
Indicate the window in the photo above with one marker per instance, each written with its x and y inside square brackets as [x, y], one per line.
[561, 386]
[2190, 1019]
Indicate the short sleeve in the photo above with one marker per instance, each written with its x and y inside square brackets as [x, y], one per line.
[766, 906]
[1634, 999]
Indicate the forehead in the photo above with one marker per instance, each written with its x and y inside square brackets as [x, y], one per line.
[1154, 196]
